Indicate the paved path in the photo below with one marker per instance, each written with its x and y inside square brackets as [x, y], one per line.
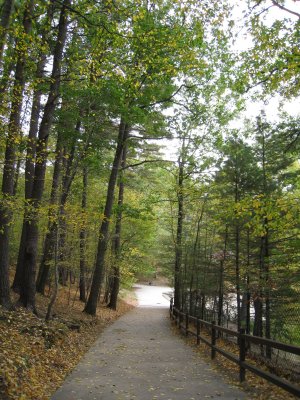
[139, 358]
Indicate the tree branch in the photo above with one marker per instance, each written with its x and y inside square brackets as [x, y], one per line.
[144, 162]
[285, 9]
[272, 72]
[165, 100]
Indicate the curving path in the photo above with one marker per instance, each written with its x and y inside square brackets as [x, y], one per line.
[139, 358]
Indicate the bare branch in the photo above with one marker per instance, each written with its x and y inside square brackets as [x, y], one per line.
[148, 137]
[272, 72]
[167, 99]
[144, 162]
[285, 9]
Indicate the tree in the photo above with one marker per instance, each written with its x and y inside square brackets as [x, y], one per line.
[32, 136]
[272, 61]
[27, 290]
[91, 304]
[13, 135]
[6, 11]
[117, 239]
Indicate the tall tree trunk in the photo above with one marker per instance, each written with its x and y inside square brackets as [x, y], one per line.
[63, 272]
[29, 166]
[195, 250]
[258, 296]
[51, 236]
[67, 180]
[117, 239]
[91, 304]
[178, 244]
[221, 280]
[267, 288]
[8, 179]
[83, 237]
[27, 290]
[248, 285]
[237, 274]
[237, 245]
[50, 239]
[264, 256]
[258, 314]
[55, 291]
[17, 174]
[7, 8]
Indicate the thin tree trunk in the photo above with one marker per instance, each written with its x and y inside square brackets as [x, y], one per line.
[257, 327]
[66, 186]
[53, 225]
[267, 289]
[178, 245]
[55, 291]
[27, 290]
[117, 239]
[17, 174]
[83, 237]
[63, 272]
[237, 247]
[221, 282]
[29, 166]
[50, 239]
[264, 256]
[248, 285]
[91, 304]
[237, 274]
[193, 299]
[7, 8]
[8, 179]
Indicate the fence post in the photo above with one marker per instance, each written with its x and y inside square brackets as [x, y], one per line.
[242, 345]
[213, 340]
[198, 331]
[187, 324]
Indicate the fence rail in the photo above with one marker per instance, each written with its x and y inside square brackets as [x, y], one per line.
[183, 321]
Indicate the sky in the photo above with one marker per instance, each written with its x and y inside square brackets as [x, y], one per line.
[272, 105]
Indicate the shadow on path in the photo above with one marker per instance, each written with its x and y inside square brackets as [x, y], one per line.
[138, 357]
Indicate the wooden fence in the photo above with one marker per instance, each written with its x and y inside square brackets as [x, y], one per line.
[184, 321]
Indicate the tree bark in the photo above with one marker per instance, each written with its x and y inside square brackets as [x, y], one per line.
[27, 290]
[29, 166]
[50, 240]
[91, 305]
[237, 244]
[247, 324]
[70, 171]
[258, 314]
[7, 8]
[83, 237]
[178, 244]
[117, 239]
[55, 291]
[221, 282]
[8, 179]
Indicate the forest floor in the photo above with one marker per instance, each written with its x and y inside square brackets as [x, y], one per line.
[36, 356]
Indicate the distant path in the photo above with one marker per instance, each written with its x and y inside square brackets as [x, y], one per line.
[139, 358]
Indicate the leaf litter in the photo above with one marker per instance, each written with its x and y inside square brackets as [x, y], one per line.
[35, 356]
